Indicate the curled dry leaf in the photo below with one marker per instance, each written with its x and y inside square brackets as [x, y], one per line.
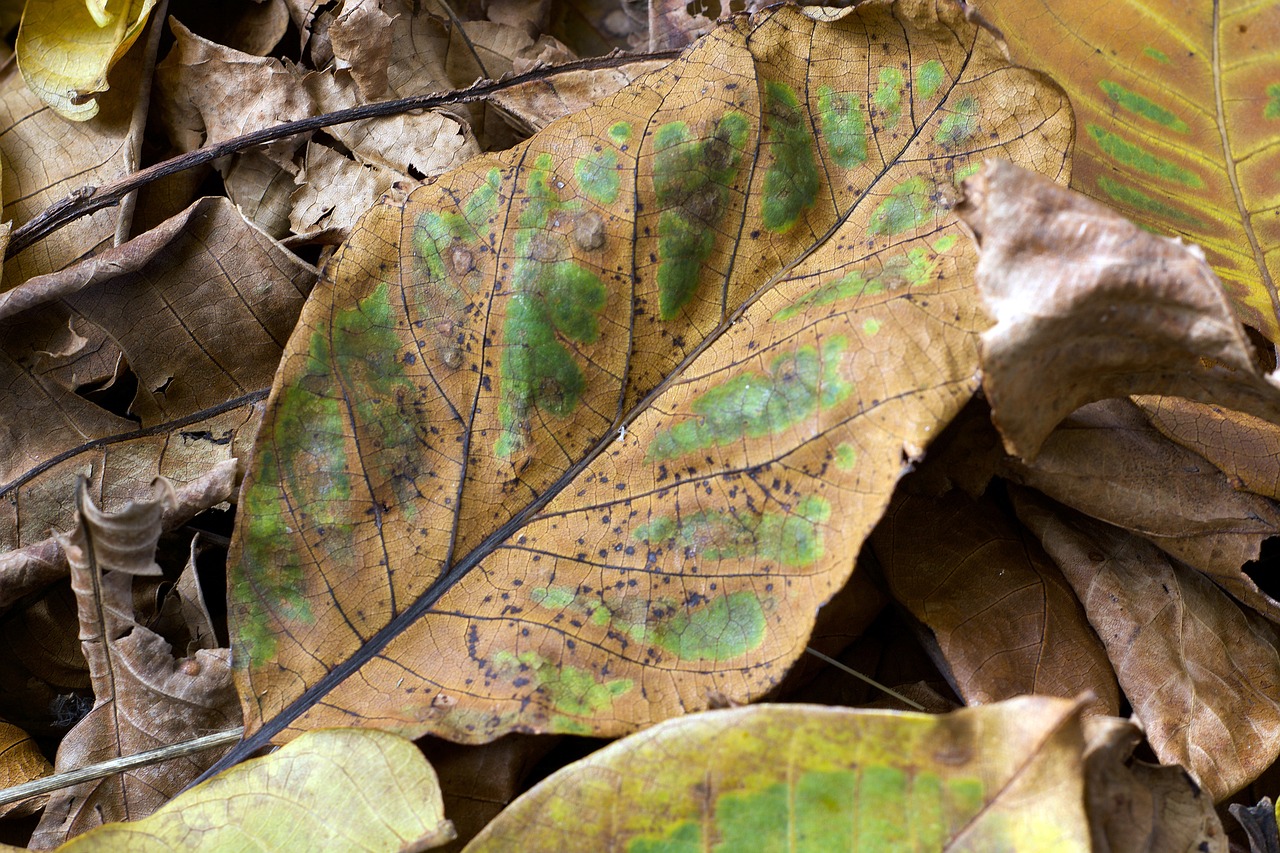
[144, 697]
[818, 778]
[65, 50]
[1005, 621]
[1134, 805]
[1107, 461]
[336, 789]
[582, 435]
[1090, 306]
[1202, 674]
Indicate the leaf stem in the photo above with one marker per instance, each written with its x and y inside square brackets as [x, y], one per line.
[895, 694]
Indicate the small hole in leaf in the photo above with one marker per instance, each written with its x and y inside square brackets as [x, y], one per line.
[1265, 571]
[115, 394]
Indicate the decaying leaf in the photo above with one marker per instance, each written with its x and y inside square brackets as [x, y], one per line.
[328, 790]
[1202, 674]
[1177, 121]
[581, 436]
[1005, 621]
[818, 778]
[144, 696]
[1108, 462]
[21, 761]
[66, 47]
[1090, 306]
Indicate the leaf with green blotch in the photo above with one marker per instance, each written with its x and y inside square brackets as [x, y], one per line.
[1177, 122]
[581, 436]
[810, 777]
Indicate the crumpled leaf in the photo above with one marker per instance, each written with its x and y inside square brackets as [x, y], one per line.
[66, 47]
[144, 697]
[328, 790]
[1090, 306]
[1005, 621]
[1177, 116]
[462, 430]
[1134, 805]
[814, 777]
[1107, 461]
[219, 298]
[1202, 674]
[21, 761]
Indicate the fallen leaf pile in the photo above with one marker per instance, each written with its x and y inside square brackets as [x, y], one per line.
[584, 407]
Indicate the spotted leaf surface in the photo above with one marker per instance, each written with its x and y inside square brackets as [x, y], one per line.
[579, 437]
[1177, 122]
[808, 777]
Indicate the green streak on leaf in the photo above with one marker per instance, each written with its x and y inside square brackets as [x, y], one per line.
[792, 538]
[725, 627]
[554, 298]
[843, 127]
[1138, 199]
[554, 597]
[914, 268]
[1142, 106]
[752, 405]
[960, 125]
[1157, 55]
[929, 77]
[944, 243]
[966, 171]
[598, 176]
[570, 690]
[685, 838]
[1126, 152]
[846, 456]
[691, 180]
[1272, 110]
[908, 206]
[888, 97]
[791, 182]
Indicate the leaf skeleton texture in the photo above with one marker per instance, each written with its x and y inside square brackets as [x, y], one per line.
[584, 433]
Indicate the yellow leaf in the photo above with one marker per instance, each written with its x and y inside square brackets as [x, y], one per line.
[332, 789]
[65, 49]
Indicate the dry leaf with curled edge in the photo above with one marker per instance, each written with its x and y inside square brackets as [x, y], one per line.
[1090, 306]
[66, 47]
[1005, 621]
[1202, 674]
[581, 436]
[144, 696]
[1107, 461]
[21, 761]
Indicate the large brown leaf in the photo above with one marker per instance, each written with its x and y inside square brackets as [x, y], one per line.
[581, 436]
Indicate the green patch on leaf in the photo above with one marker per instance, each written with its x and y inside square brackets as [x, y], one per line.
[753, 405]
[554, 298]
[723, 628]
[1124, 151]
[910, 204]
[1157, 55]
[1272, 109]
[790, 538]
[843, 127]
[846, 456]
[691, 180]
[914, 268]
[791, 182]
[570, 690]
[960, 125]
[929, 77]
[620, 132]
[1142, 106]
[598, 176]
[1138, 199]
[888, 97]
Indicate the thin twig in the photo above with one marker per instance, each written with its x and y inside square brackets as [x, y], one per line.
[895, 694]
[89, 199]
[117, 765]
[138, 121]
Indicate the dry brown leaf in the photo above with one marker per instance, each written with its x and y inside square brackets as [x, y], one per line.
[144, 697]
[1107, 461]
[194, 314]
[1134, 805]
[536, 104]
[1202, 675]
[251, 26]
[671, 25]
[361, 38]
[333, 191]
[1089, 306]
[261, 189]
[45, 677]
[1005, 621]
[21, 761]
[1245, 448]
